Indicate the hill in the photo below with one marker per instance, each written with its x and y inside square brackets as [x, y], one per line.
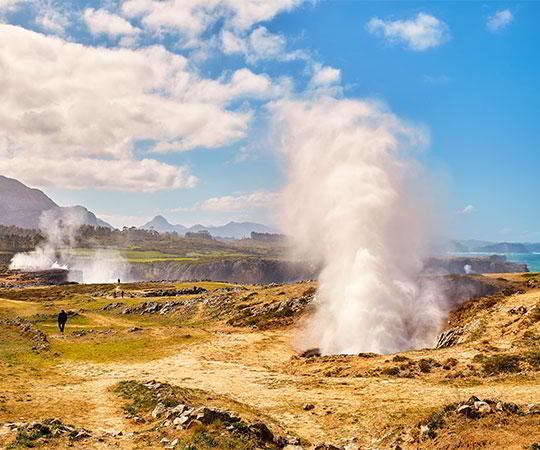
[22, 206]
[210, 365]
[236, 230]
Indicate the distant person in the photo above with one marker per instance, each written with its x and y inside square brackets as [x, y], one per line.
[122, 294]
[62, 319]
[118, 280]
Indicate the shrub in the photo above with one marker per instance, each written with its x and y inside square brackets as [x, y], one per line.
[392, 371]
[496, 364]
[425, 365]
[449, 363]
[533, 358]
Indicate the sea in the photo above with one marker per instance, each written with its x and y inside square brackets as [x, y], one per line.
[531, 259]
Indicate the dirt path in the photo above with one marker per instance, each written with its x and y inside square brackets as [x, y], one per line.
[246, 368]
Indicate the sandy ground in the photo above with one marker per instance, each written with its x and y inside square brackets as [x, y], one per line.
[249, 368]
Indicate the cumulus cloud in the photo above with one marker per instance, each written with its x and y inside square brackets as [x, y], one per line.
[499, 20]
[258, 45]
[53, 20]
[191, 18]
[145, 175]
[101, 21]
[469, 209]
[325, 75]
[91, 106]
[418, 34]
[230, 203]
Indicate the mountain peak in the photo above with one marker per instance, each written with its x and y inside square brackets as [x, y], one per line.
[232, 229]
[22, 206]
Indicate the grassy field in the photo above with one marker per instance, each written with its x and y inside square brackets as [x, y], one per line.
[152, 256]
[233, 348]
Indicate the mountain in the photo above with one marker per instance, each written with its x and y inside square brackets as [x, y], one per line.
[162, 225]
[77, 214]
[235, 230]
[239, 230]
[504, 247]
[22, 206]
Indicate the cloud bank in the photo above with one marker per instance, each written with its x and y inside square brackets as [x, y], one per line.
[79, 113]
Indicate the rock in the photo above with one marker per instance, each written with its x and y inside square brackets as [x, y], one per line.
[158, 410]
[324, 446]
[510, 408]
[310, 353]
[178, 409]
[209, 415]
[467, 411]
[260, 430]
[520, 310]
[173, 444]
[482, 407]
[82, 434]
[449, 337]
[182, 421]
[352, 446]
[308, 407]
[533, 409]
[134, 329]
[291, 440]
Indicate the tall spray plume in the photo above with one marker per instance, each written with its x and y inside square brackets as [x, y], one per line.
[59, 227]
[354, 203]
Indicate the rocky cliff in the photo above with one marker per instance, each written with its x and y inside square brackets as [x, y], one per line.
[245, 271]
[261, 271]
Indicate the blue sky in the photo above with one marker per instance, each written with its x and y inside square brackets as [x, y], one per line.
[470, 78]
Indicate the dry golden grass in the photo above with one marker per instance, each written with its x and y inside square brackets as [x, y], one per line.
[255, 370]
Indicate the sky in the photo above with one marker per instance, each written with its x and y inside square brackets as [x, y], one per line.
[134, 108]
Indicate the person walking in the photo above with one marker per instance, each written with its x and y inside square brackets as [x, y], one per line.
[62, 319]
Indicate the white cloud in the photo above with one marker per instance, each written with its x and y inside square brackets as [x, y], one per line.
[100, 21]
[53, 21]
[9, 5]
[145, 175]
[469, 209]
[419, 34]
[499, 20]
[192, 17]
[52, 17]
[230, 203]
[85, 109]
[325, 75]
[258, 45]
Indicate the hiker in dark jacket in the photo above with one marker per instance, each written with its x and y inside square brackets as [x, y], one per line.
[62, 319]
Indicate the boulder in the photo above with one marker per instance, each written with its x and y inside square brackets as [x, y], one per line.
[158, 410]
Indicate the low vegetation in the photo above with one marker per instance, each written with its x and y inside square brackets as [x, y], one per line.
[232, 348]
